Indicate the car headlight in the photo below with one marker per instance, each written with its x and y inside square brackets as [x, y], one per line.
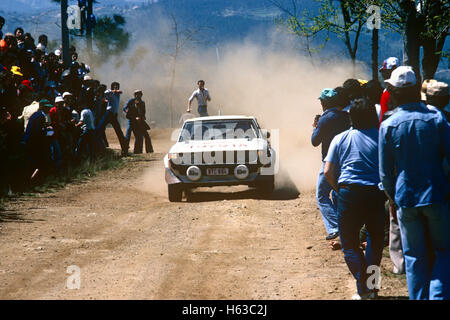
[173, 156]
[194, 173]
[241, 172]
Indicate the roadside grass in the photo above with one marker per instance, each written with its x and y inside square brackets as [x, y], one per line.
[107, 160]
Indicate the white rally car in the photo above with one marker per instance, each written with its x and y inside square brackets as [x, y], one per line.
[220, 151]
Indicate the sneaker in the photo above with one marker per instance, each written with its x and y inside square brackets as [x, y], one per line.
[371, 295]
[396, 271]
[356, 296]
[332, 236]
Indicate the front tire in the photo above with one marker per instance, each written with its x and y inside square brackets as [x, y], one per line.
[265, 188]
[175, 192]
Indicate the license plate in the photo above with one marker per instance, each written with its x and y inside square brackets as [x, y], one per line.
[216, 171]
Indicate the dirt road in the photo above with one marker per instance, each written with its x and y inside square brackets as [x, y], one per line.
[129, 242]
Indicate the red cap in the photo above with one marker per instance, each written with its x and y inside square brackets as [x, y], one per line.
[27, 83]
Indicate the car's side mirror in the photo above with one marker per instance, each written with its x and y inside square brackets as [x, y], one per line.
[267, 134]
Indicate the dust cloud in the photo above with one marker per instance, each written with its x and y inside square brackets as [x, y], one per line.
[152, 181]
[272, 82]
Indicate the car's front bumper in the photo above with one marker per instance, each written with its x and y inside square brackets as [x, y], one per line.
[174, 177]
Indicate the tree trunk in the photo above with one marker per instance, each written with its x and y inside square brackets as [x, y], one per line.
[375, 54]
[89, 28]
[65, 34]
[431, 56]
[411, 41]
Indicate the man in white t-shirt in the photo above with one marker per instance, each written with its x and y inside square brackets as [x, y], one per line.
[202, 96]
[87, 137]
[28, 112]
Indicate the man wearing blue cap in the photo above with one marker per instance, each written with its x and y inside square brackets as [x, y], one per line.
[326, 127]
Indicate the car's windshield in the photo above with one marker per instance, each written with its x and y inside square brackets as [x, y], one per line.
[219, 129]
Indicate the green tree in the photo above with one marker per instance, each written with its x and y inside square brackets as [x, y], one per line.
[110, 37]
[108, 34]
[423, 23]
[344, 18]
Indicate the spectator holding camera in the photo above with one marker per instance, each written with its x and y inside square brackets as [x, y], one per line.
[326, 127]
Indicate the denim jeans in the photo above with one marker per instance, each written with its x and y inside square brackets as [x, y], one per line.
[202, 111]
[359, 205]
[139, 135]
[426, 247]
[110, 117]
[56, 154]
[326, 206]
[128, 133]
[86, 143]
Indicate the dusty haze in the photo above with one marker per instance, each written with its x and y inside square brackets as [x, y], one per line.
[272, 82]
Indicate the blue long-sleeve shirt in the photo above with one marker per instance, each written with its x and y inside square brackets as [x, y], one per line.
[412, 145]
[113, 101]
[36, 129]
[331, 123]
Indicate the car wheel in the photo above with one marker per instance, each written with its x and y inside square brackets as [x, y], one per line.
[265, 189]
[189, 195]
[175, 192]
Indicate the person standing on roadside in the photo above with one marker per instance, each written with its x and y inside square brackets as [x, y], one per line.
[135, 113]
[113, 100]
[86, 142]
[202, 96]
[389, 65]
[413, 143]
[351, 168]
[437, 98]
[326, 127]
[36, 140]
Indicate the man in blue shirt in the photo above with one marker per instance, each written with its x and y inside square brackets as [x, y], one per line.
[110, 116]
[413, 143]
[351, 168]
[36, 140]
[326, 127]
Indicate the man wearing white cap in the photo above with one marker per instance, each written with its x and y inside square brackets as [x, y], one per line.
[412, 144]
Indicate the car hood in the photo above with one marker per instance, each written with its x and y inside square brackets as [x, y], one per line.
[218, 145]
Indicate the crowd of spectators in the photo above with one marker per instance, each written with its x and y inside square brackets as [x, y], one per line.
[385, 171]
[52, 116]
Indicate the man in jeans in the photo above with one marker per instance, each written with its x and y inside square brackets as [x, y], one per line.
[87, 137]
[135, 113]
[412, 144]
[326, 127]
[36, 140]
[113, 99]
[351, 168]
